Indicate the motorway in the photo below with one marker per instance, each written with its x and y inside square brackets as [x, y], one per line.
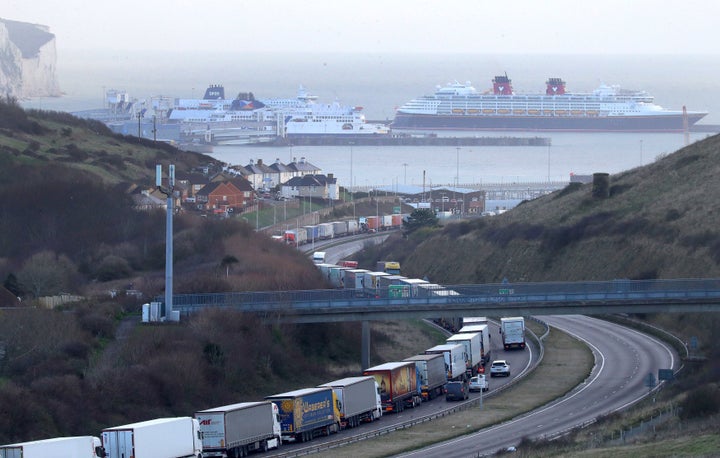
[623, 359]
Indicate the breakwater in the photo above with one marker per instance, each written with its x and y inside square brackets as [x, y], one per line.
[406, 140]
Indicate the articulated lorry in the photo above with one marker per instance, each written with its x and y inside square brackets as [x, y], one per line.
[160, 438]
[431, 369]
[473, 350]
[307, 413]
[398, 385]
[455, 359]
[391, 267]
[484, 330]
[358, 400]
[58, 447]
[238, 429]
[513, 332]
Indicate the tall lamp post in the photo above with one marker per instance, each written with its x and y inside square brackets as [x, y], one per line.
[168, 236]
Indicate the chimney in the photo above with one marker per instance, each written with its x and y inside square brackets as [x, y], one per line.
[252, 162]
[260, 162]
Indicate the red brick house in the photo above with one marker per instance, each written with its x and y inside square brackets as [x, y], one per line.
[228, 195]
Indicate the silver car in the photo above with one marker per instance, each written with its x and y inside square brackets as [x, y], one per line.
[499, 367]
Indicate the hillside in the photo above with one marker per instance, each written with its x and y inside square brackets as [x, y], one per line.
[659, 221]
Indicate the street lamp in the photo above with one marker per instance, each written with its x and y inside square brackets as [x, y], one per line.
[168, 236]
[405, 166]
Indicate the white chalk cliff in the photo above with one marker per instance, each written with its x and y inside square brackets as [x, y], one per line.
[28, 60]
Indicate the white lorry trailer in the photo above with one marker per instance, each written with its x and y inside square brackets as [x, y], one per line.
[455, 359]
[484, 339]
[513, 332]
[160, 438]
[58, 447]
[238, 429]
[358, 400]
[473, 349]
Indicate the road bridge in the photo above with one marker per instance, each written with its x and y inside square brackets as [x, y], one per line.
[454, 301]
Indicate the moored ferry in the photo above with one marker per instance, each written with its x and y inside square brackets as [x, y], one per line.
[459, 106]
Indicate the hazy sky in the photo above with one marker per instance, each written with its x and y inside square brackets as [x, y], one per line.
[478, 26]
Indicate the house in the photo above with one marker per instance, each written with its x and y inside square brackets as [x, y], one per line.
[282, 172]
[317, 186]
[303, 168]
[229, 195]
[260, 175]
[190, 184]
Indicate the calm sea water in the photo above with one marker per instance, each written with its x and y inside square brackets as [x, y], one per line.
[381, 82]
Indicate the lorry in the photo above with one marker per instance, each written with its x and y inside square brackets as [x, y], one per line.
[371, 283]
[432, 374]
[319, 257]
[474, 320]
[326, 231]
[313, 233]
[391, 267]
[398, 385]
[350, 264]
[307, 413]
[295, 236]
[483, 329]
[159, 438]
[57, 447]
[473, 348]
[358, 400]
[238, 429]
[336, 276]
[455, 359]
[355, 279]
[340, 228]
[513, 332]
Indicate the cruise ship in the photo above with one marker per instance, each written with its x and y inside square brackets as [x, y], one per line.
[459, 106]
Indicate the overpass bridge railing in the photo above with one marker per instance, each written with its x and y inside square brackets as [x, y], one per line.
[398, 295]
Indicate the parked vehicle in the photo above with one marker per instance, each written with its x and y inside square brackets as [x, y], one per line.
[371, 283]
[238, 429]
[159, 438]
[474, 320]
[455, 359]
[473, 348]
[58, 447]
[391, 267]
[319, 257]
[350, 264]
[340, 228]
[513, 332]
[325, 231]
[307, 413]
[479, 383]
[457, 390]
[313, 233]
[358, 400]
[432, 374]
[398, 385]
[337, 276]
[355, 279]
[386, 282]
[295, 236]
[484, 330]
[499, 367]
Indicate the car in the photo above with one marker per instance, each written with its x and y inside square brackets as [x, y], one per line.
[499, 367]
[479, 383]
[456, 391]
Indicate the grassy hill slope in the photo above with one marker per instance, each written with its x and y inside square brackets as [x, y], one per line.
[659, 221]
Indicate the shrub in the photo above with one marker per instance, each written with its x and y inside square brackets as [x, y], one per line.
[701, 402]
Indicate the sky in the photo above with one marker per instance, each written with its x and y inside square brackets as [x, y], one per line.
[379, 26]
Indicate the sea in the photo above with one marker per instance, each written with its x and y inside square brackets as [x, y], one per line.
[381, 82]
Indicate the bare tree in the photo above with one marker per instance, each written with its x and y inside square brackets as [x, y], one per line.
[47, 273]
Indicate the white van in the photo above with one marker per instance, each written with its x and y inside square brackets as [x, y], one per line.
[319, 257]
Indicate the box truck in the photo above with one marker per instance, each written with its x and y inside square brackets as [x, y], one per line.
[159, 438]
[307, 413]
[398, 385]
[358, 400]
[513, 332]
[455, 359]
[238, 429]
[473, 350]
[484, 330]
[432, 374]
[57, 447]
[355, 279]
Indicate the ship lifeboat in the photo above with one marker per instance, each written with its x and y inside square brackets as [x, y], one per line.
[548, 112]
[503, 111]
[534, 112]
[472, 111]
[488, 111]
[561, 112]
[577, 112]
[519, 112]
[458, 111]
[347, 126]
[592, 113]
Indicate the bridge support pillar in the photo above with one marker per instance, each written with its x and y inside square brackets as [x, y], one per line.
[365, 345]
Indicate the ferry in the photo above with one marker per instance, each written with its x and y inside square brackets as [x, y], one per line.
[457, 106]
